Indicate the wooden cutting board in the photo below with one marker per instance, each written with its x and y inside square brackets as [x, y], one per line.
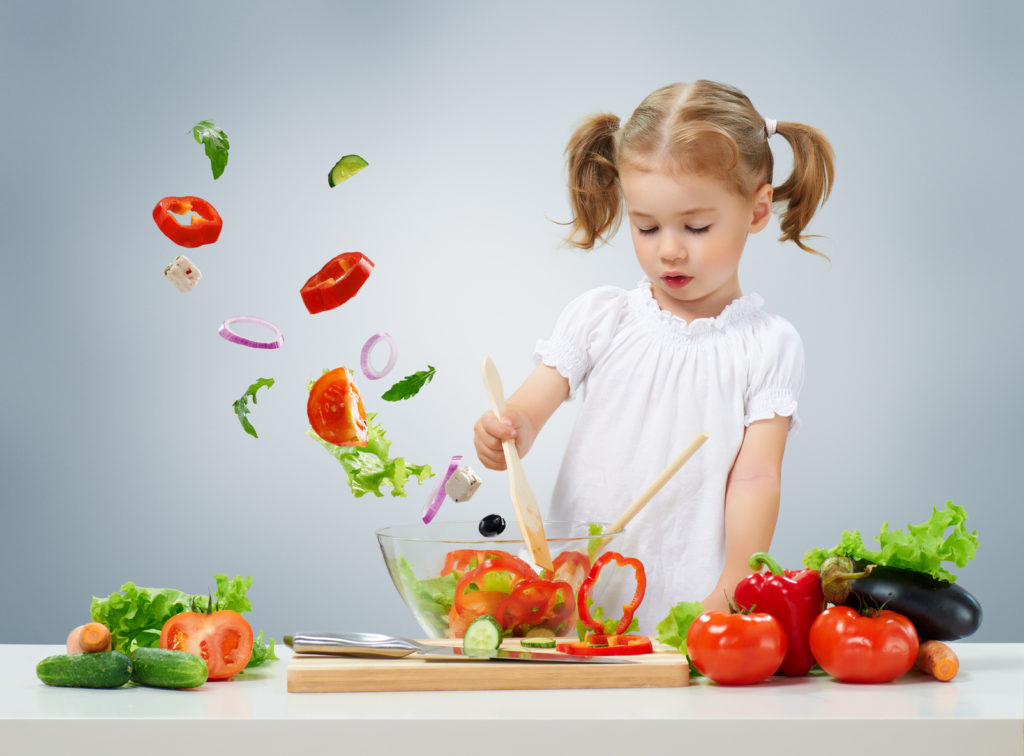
[307, 673]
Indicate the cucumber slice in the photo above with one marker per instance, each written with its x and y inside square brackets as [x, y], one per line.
[540, 632]
[483, 634]
[538, 642]
[345, 168]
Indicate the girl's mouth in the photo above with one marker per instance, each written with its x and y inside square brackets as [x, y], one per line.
[675, 281]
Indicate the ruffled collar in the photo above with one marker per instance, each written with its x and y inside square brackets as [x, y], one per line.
[746, 309]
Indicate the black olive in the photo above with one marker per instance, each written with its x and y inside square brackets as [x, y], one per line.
[492, 525]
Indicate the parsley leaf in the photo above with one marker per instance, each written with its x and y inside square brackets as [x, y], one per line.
[241, 405]
[215, 144]
[410, 385]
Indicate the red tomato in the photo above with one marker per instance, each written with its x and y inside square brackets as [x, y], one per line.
[736, 649]
[866, 649]
[335, 409]
[222, 639]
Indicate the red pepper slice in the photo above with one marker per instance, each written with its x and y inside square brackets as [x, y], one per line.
[532, 602]
[203, 228]
[337, 282]
[609, 645]
[627, 609]
[462, 560]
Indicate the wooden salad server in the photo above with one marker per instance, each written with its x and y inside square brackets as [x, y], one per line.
[663, 477]
[527, 513]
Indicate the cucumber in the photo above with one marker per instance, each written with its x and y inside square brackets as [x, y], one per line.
[344, 169]
[164, 668]
[483, 634]
[540, 632]
[101, 669]
[538, 642]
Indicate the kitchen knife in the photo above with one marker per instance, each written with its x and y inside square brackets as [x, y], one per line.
[376, 645]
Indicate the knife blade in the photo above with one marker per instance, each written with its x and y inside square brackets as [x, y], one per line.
[375, 645]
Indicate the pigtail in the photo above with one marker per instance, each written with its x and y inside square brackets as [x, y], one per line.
[810, 183]
[593, 181]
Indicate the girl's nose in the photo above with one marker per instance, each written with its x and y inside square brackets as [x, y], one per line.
[671, 248]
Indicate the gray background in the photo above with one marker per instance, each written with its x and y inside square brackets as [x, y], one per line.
[121, 458]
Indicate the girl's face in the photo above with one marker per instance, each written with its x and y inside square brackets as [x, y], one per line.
[688, 233]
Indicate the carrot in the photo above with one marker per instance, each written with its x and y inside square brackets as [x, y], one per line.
[88, 638]
[937, 659]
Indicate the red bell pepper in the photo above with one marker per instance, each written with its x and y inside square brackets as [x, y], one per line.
[203, 228]
[582, 604]
[794, 598]
[608, 645]
[336, 282]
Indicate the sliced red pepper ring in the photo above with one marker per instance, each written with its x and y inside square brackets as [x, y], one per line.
[203, 228]
[582, 603]
[609, 645]
[336, 282]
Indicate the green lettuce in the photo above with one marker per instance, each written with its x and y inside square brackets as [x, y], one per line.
[672, 630]
[369, 467]
[136, 615]
[432, 598]
[922, 548]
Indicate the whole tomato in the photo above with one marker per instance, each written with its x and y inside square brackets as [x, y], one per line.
[736, 649]
[873, 648]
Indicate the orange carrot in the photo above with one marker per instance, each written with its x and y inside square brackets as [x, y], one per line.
[88, 638]
[937, 659]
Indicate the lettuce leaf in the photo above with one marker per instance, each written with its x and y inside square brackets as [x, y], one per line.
[136, 615]
[432, 597]
[922, 548]
[672, 630]
[369, 467]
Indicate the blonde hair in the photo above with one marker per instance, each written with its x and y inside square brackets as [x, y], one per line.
[703, 127]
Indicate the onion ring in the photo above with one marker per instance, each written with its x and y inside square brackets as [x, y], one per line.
[430, 509]
[364, 357]
[226, 332]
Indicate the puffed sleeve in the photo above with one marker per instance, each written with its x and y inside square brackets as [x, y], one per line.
[582, 332]
[776, 374]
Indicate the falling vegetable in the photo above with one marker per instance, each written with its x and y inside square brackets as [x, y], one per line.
[433, 505]
[370, 467]
[241, 405]
[335, 409]
[345, 169]
[203, 227]
[410, 385]
[336, 282]
[215, 144]
[364, 357]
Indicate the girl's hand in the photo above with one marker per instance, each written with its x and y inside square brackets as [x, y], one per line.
[489, 432]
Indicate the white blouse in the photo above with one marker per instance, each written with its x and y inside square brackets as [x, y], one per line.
[652, 382]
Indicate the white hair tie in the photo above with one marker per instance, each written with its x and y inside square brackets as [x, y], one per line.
[769, 127]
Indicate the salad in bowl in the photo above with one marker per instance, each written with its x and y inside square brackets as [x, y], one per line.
[448, 575]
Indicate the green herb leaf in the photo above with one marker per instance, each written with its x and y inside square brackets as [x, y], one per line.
[672, 630]
[922, 548]
[410, 385]
[594, 544]
[241, 405]
[369, 467]
[215, 144]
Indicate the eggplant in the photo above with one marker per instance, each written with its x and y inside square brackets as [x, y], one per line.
[940, 610]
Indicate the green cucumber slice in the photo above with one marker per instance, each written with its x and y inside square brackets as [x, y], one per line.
[483, 634]
[344, 169]
[538, 642]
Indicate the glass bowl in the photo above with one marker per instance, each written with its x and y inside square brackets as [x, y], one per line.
[431, 564]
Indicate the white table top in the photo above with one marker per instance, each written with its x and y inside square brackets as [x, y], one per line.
[980, 713]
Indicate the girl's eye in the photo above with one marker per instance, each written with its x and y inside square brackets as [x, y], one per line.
[701, 230]
[650, 230]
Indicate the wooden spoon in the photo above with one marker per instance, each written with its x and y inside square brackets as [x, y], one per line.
[663, 477]
[527, 513]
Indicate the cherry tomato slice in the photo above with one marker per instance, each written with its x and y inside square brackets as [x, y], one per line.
[222, 639]
[335, 409]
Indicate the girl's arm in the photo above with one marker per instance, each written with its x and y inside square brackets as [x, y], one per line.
[526, 411]
[751, 503]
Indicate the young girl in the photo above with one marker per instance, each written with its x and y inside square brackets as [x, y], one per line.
[684, 351]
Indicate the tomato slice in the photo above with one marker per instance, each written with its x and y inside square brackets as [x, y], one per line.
[335, 409]
[222, 639]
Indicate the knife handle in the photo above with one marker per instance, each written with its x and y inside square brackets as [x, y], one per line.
[354, 644]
